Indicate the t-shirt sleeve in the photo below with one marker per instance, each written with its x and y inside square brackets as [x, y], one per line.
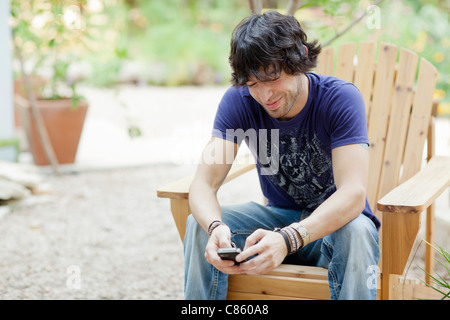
[230, 117]
[346, 119]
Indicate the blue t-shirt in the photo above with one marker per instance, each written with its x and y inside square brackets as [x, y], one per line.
[293, 157]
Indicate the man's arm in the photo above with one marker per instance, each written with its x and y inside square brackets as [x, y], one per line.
[211, 172]
[350, 170]
[215, 164]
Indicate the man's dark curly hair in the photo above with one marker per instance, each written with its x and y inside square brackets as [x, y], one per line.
[263, 45]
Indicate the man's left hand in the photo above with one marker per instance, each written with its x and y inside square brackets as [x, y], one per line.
[270, 248]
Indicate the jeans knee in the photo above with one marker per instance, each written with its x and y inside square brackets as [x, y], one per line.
[360, 228]
[359, 235]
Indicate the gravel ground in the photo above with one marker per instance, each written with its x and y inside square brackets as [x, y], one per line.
[99, 235]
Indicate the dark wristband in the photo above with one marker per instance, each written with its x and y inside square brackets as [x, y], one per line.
[214, 225]
[285, 237]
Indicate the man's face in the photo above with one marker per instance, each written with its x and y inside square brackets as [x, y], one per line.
[281, 97]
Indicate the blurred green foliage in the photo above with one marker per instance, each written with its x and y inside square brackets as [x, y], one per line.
[178, 42]
[175, 42]
[46, 40]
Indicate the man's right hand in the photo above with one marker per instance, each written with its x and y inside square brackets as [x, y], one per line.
[220, 238]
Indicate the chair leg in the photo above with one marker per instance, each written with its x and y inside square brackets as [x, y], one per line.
[180, 211]
[399, 234]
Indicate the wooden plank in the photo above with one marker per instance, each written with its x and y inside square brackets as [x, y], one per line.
[178, 189]
[417, 193]
[345, 66]
[364, 71]
[325, 62]
[180, 212]
[379, 114]
[280, 286]
[420, 119]
[231, 295]
[398, 122]
[298, 271]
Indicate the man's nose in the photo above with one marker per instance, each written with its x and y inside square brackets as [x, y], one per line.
[265, 92]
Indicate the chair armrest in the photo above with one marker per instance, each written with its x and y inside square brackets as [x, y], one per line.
[180, 189]
[418, 192]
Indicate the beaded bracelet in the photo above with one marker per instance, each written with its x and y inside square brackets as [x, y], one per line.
[214, 225]
[292, 239]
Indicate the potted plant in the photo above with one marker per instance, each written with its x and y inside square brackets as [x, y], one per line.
[46, 36]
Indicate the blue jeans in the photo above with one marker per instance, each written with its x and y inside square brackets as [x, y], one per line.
[350, 254]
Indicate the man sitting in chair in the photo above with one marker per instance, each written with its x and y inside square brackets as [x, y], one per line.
[308, 133]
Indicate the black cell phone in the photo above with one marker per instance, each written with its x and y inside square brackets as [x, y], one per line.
[228, 253]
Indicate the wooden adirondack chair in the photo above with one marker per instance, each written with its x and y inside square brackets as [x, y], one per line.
[400, 119]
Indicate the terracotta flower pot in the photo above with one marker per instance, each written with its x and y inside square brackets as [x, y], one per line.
[64, 125]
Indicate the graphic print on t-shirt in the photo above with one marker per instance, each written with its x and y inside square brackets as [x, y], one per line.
[305, 171]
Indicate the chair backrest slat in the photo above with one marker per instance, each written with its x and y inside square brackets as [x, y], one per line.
[398, 113]
[364, 71]
[345, 61]
[419, 120]
[398, 121]
[379, 115]
[325, 62]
